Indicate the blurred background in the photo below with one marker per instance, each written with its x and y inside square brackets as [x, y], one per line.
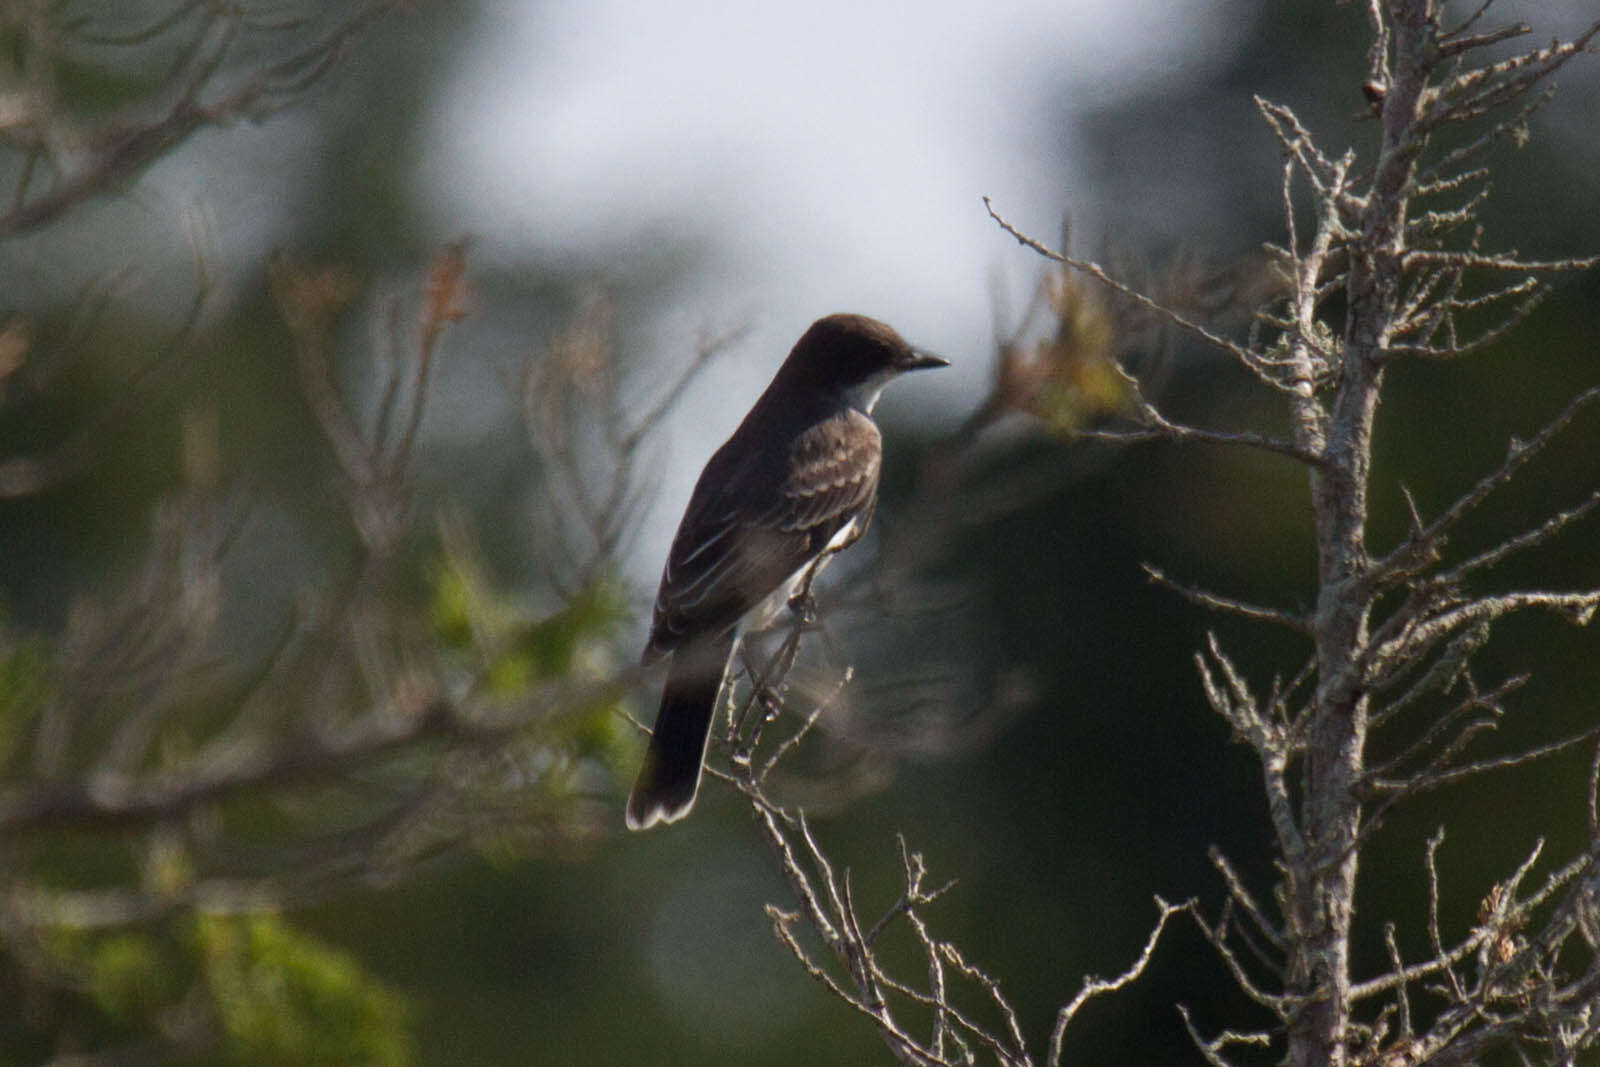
[704, 169]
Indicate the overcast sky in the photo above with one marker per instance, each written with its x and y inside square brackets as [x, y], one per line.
[838, 149]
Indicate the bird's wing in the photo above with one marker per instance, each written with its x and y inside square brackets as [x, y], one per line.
[750, 525]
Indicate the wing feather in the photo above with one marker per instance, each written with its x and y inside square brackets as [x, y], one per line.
[755, 521]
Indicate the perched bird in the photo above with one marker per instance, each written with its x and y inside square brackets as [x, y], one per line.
[797, 479]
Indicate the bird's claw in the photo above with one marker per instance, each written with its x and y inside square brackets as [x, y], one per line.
[804, 607]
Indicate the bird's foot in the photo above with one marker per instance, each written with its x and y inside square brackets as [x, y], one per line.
[804, 607]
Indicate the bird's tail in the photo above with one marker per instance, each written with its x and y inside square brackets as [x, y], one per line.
[670, 776]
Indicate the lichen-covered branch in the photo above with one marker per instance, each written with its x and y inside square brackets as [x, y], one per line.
[1378, 279]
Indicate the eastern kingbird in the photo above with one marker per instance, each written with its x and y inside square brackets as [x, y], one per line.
[797, 479]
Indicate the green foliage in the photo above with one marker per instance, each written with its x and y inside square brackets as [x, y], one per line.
[470, 615]
[24, 686]
[551, 645]
[457, 601]
[128, 976]
[95, 90]
[284, 998]
[515, 651]
[256, 991]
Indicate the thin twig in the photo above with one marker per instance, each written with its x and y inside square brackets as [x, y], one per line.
[1094, 986]
[1227, 605]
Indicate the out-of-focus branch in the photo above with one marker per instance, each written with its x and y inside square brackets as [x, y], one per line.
[22, 476]
[380, 737]
[88, 162]
[592, 446]
[1155, 424]
[115, 801]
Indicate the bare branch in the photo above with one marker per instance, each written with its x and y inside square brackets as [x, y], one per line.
[1482, 89]
[1243, 897]
[1523, 541]
[1500, 261]
[1226, 605]
[1281, 1005]
[1397, 563]
[1420, 632]
[1436, 778]
[1455, 350]
[1095, 271]
[1446, 960]
[1093, 986]
[1212, 1049]
[1475, 701]
[1455, 44]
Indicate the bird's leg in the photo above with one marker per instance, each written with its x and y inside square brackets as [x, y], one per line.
[807, 618]
[745, 660]
[765, 680]
[802, 603]
[758, 685]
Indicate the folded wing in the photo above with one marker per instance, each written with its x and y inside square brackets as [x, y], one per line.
[754, 521]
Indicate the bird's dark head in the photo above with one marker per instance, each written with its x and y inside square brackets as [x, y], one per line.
[856, 354]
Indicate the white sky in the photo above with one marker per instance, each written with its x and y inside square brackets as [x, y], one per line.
[839, 150]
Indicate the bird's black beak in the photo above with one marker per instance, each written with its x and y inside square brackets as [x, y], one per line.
[922, 359]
